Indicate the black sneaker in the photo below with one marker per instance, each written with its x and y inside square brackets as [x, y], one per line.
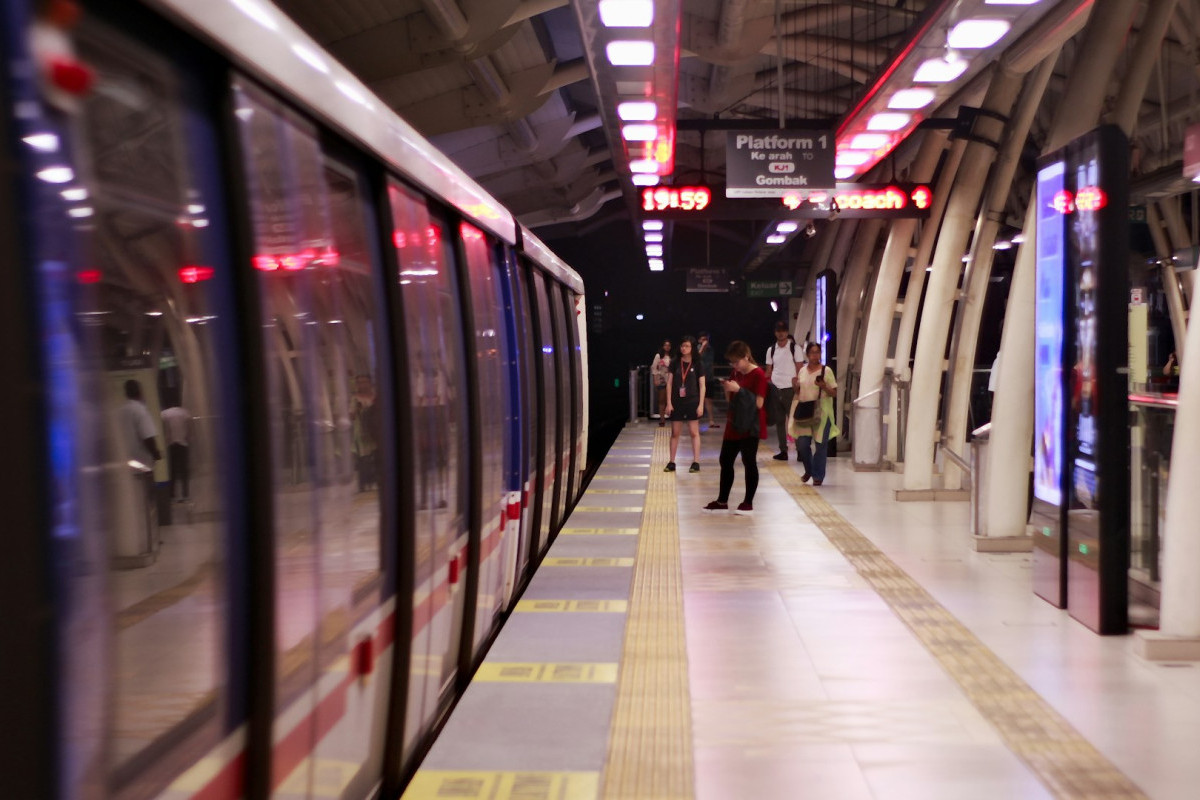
[745, 510]
[670, 467]
[695, 467]
[780, 456]
[716, 505]
[804, 478]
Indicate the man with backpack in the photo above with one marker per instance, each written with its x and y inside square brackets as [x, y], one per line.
[782, 369]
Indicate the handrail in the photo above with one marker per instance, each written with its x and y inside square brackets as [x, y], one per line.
[862, 397]
[956, 458]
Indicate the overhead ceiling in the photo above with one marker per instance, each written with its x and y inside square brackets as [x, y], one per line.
[504, 87]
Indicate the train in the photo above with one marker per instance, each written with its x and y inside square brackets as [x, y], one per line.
[296, 407]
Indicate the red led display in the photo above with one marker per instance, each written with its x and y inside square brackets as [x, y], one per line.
[679, 198]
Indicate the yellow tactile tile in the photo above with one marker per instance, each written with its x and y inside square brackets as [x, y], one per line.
[541, 672]
[480, 785]
[1069, 766]
[650, 745]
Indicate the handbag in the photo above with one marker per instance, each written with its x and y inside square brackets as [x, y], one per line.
[805, 412]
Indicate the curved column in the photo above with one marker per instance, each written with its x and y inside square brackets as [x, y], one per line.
[916, 283]
[1012, 415]
[979, 268]
[850, 305]
[1177, 232]
[921, 433]
[867, 445]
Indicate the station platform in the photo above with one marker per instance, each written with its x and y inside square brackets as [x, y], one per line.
[837, 645]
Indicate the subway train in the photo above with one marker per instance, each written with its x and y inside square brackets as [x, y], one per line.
[296, 409]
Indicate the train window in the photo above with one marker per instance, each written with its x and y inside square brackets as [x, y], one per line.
[482, 261]
[151, 439]
[321, 350]
[562, 362]
[529, 399]
[433, 335]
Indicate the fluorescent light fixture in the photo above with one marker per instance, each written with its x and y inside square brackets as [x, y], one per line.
[911, 98]
[655, 250]
[642, 179]
[654, 237]
[1002, 245]
[974, 34]
[656, 265]
[80, 213]
[870, 141]
[1018, 239]
[849, 158]
[652, 224]
[56, 175]
[640, 317]
[888, 121]
[74, 195]
[195, 208]
[775, 306]
[939, 70]
[787, 226]
[637, 110]
[640, 132]
[644, 165]
[776, 238]
[841, 173]
[625, 53]
[626, 13]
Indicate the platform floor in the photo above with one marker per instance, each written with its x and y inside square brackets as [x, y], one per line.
[838, 644]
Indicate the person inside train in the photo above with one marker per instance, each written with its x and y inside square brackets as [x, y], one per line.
[660, 365]
[815, 385]
[747, 380]
[365, 421]
[685, 397]
[704, 353]
[177, 424]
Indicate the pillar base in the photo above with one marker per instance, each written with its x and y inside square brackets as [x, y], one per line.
[1002, 544]
[881, 466]
[915, 495]
[1158, 646]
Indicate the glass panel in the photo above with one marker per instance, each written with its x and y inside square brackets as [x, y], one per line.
[547, 412]
[525, 355]
[433, 338]
[151, 321]
[493, 397]
[563, 403]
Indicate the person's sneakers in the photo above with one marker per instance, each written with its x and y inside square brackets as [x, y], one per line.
[695, 467]
[804, 478]
[780, 456]
[716, 505]
[817, 483]
[745, 509]
[670, 467]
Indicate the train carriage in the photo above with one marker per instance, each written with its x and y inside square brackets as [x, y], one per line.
[297, 407]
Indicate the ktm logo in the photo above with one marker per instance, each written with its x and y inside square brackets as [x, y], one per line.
[781, 168]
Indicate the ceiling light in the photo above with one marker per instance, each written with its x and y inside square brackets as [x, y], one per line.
[640, 132]
[56, 174]
[973, 34]
[939, 70]
[654, 237]
[642, 179]
[652, 224]
[810, 230]
[637, 110]
[630, 53]
[626, 13]
[911, 98]
[656, 265]
[655, 250]
[776, 238]
[870, 141]
[74, 195]
[849, 158]
[42, 142]
[841, 173]
[787, 226]
[1018, 239]
[1002, 245]
[888, 122]
[645, 165]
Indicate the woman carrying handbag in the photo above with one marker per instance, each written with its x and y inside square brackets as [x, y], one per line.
[812, 419]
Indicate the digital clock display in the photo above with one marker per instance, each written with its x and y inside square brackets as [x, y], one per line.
[680, 198]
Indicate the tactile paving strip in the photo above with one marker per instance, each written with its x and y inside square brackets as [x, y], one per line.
[1069, 766]
[650, 745]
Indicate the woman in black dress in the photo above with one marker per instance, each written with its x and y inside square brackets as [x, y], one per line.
[685, 398]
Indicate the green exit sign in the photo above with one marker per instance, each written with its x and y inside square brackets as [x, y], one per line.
[768, 288]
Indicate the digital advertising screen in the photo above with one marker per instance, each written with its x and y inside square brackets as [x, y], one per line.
[1049, 311]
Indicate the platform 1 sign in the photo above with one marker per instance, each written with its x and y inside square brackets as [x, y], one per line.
[707, 279]
[772, 163]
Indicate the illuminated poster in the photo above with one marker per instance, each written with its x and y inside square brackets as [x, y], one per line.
[1048, 354]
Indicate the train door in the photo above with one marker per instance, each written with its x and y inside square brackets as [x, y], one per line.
[437, 403]
[124, 223]
[564, 403]
[548, 411]
[516, 554]
[531, 435]
[322, 355]
[482, 262]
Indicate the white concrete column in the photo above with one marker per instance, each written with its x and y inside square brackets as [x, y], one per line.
[868, 447]
[921, 434]
[850, 303]
[979, 268]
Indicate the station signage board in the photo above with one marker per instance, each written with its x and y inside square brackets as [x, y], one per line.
[707, 279]
[848, 200]
[774, 162]
[763, 288]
